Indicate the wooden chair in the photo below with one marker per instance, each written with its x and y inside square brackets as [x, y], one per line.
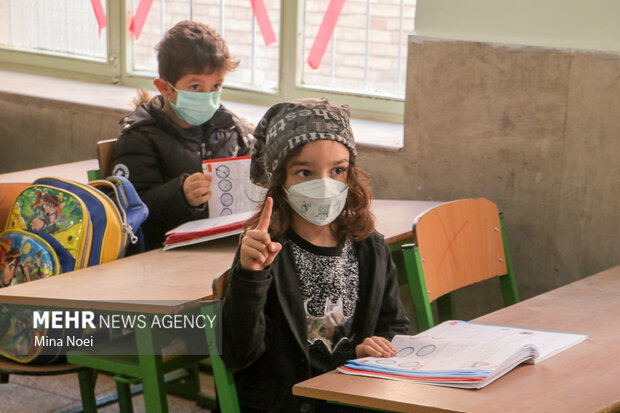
[8, 194]
[104, 156]
[456, 244]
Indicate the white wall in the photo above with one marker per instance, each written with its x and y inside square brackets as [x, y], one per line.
[579, 24]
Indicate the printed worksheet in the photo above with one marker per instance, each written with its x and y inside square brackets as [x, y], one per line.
[456, 347]
[231, 188]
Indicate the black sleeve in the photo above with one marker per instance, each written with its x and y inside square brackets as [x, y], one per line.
[165, 200]
[392, 319]
[243, 315]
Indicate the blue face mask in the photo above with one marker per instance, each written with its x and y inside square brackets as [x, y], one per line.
[196, 108]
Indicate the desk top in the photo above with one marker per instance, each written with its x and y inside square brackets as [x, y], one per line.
[169, 281]
[584, 378]
[74, 170]
[157, 281]
[394, 218]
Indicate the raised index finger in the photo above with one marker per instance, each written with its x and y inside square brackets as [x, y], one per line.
[265, 216]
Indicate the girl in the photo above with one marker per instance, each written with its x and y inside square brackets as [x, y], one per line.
[312, 285]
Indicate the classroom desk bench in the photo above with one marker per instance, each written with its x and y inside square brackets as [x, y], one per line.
[584, 378]
[164, 282]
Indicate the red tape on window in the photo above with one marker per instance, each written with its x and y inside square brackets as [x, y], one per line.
[325, 33]
[137, 22]
[264, 24]
[99, 14]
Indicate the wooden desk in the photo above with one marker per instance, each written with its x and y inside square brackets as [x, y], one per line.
[394, 218]
[584, 378]
[76, 171]
[155, 282]
[168, 282]
[181, 276]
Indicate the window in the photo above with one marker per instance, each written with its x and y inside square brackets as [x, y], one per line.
[363, 64]
[48, 26]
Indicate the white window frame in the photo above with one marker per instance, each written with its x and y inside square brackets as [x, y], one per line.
[117, 68]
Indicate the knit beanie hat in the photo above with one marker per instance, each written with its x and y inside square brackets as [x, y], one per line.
[288, 125]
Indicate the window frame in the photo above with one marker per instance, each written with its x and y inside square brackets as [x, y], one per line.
[116, 69]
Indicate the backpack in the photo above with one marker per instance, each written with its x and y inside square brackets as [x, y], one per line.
[132, 209]
[24, 257]
[56, 226]
[58, 213]
[94, 227]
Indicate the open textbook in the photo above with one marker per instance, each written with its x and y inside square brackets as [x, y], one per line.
[207, 229]
[462, 354]
[234, 199]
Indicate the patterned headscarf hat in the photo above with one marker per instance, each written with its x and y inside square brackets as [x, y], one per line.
[288, 125]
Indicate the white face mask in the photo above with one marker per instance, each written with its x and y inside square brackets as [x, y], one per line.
[319, 201]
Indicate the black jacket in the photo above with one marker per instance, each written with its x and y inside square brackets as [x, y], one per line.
[157, 155]
[264, 328]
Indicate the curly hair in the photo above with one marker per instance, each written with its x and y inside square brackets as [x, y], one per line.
[192, 47]
[356, 220]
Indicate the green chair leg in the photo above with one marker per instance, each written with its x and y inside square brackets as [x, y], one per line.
[508, 282]
[417, 286]
[124, 397]
[151, 365]
[224, 382]
[87, 378]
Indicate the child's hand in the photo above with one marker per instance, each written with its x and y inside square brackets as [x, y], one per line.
[196, 189]
[257, 250]
[375, 347]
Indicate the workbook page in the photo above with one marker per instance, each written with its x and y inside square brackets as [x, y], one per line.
[232, 192]
[547, 343]
[449, 355]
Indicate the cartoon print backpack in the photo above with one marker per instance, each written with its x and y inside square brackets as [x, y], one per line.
[87, 222]
[26, 257]
[56, 212]
[56, 226]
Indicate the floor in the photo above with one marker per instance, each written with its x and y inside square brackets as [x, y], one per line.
[52, 394]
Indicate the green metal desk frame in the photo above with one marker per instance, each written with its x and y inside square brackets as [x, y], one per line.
[149, 368]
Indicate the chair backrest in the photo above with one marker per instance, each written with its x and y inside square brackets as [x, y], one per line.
[457, 244]
[104, 156]
[8, 194]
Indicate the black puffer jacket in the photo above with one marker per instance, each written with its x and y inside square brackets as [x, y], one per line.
[157, 155]
[264, 327]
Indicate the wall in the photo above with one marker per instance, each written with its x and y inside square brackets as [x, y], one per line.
[38, 132]
[533, 129]
[591, 24]
[517, 102]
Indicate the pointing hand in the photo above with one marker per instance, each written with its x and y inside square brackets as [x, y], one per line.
[257, 250]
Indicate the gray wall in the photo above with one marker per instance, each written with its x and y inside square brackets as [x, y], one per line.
[37, 132]
[536, 130]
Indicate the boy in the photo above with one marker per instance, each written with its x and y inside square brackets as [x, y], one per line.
[164, 141]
